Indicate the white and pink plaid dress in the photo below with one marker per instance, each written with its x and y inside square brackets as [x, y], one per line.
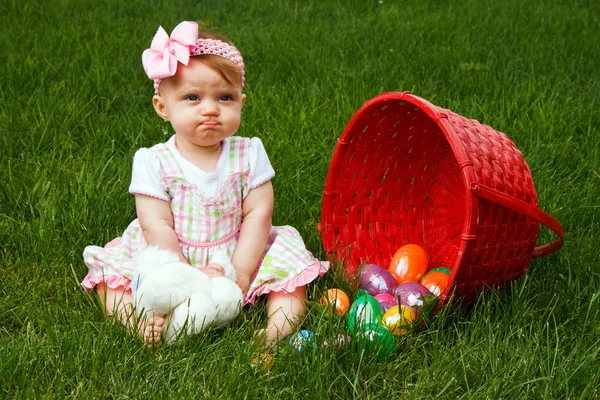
[205, 224]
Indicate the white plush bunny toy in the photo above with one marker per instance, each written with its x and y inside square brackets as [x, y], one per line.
[190, 299]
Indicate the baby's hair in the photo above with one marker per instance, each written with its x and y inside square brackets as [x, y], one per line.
[227, 69]
[214, 49]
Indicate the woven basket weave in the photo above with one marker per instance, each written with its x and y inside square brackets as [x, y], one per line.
[406, 171]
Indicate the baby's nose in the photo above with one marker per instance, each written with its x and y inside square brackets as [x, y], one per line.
[210, 108]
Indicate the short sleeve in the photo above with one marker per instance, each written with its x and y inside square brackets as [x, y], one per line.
[146, 175]
[261, 170]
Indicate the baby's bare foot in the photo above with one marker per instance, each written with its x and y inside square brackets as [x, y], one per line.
[151, 329]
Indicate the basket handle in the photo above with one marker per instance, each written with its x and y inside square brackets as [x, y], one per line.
[522, 207]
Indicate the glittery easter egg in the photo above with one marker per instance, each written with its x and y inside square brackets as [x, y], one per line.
[303, 340]
[338, 342]
[262, 362]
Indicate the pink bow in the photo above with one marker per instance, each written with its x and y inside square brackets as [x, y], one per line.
[160, 60]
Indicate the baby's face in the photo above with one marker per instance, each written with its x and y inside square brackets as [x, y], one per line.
[201, 105]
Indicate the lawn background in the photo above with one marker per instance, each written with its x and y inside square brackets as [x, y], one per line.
[75, 105]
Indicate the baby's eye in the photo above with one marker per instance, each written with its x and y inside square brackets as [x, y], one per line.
[192, 97]
[226, 97]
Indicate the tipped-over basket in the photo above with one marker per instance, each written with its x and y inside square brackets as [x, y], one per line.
[407, 171]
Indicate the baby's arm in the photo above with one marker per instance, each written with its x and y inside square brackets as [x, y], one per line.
[256, 225]
[156, 221]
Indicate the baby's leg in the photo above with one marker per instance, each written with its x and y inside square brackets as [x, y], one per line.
[119, 302]
[285, 311]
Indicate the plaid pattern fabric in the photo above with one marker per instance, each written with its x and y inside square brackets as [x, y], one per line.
[198, 219]
[205, 224]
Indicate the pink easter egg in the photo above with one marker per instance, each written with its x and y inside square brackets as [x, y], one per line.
[386, 300]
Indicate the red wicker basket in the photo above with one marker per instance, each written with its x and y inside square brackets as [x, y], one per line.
[406, 171]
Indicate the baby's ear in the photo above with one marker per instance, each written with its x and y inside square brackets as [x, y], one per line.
[243, 99]
[159, 107]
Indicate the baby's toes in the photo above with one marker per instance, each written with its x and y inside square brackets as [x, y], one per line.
[151, 330]
[152, 336]
[157, 322]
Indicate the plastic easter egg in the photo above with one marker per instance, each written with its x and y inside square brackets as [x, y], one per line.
[386, 300]
[376, 279]
[340, 341]
[365, 310]
[412, 294]
[358, 293]
[445, 270]
[335, 300]
[399, 319]
[409, 263]
[262, 362]
[303, 340]
[377, 339]
[436, 282]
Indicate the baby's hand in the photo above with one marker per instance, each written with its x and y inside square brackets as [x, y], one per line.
[214, 270]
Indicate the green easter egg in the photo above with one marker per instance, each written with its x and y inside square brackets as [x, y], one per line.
[377, 339]
[359, 293]
[445, 270]
[365, 310]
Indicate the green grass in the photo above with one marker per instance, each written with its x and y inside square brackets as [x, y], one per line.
[75, 105]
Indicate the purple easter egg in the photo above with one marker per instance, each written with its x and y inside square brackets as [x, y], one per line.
[376, 279]
[386, 300]
[412, 294]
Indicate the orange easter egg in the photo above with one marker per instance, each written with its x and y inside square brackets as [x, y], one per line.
[436, 282]
[398, 319]
[335, 299]
[409, 263]
[262, 362]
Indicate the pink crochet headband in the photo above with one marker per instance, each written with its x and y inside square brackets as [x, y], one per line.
[161, 59]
